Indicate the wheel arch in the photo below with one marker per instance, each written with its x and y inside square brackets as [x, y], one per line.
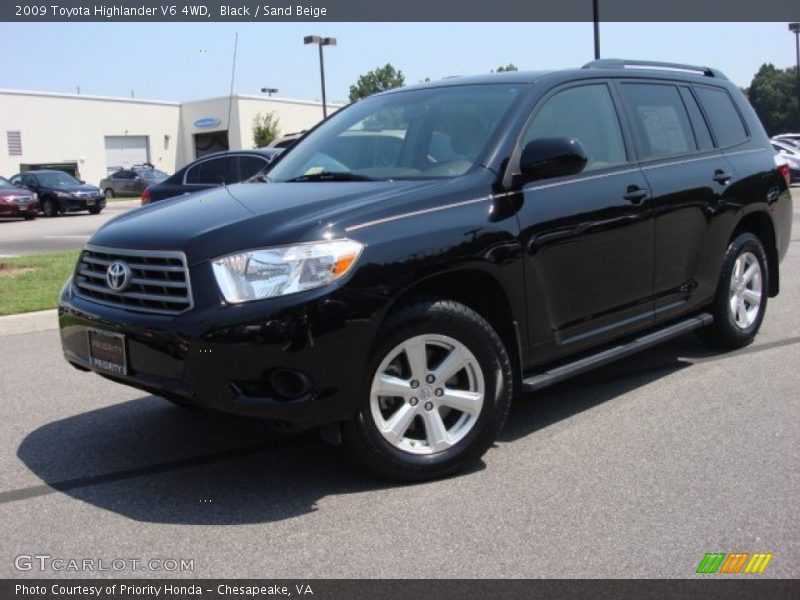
[760, 224]
[481, 291]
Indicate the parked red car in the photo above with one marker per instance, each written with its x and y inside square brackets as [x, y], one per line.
[17, 202]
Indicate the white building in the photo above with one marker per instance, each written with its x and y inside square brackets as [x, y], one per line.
[94, 135]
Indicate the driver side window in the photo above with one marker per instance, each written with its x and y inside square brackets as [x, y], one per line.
[587, 114]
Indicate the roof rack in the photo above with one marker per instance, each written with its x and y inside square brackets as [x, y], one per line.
[619, 63]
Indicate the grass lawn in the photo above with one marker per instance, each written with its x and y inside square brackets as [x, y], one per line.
[32, 282]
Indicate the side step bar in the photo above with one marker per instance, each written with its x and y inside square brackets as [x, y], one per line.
[557, 374]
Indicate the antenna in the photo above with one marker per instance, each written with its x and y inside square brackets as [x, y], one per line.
[230, 96]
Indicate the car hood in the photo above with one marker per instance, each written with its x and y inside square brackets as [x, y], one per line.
[221, 221]
[15, 193]
[81, 187]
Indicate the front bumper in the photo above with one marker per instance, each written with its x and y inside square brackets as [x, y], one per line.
[233, 358]
[74, 204]
[12, 209]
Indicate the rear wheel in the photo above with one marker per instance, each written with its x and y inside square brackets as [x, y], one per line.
[437, 393]
[741, 300]
[50, 207]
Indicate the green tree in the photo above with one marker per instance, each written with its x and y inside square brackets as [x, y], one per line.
[773, 94]
[506, 69]
[265, 129]
[378, 80]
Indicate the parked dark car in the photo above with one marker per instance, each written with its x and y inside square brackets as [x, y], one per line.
[59, 192]
[130, 182]
[529, 227]
[212, 170]
[17, 201]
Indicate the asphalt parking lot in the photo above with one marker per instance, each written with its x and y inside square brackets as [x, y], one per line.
[71, 230]
[634, 470]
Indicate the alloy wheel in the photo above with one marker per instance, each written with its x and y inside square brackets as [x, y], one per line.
[427, 394]
[744, 298]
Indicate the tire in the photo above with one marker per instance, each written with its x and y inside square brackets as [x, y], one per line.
[109, 193]
[30, 217]
[49, 207]
[464, 363]
[95, 210]
[741, 299]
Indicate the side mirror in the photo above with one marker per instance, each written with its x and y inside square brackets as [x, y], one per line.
[552, 157]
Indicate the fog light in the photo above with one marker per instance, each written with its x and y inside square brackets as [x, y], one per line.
[289, 383]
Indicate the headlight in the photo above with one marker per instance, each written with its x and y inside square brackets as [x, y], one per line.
[63, 194]
[271, 272]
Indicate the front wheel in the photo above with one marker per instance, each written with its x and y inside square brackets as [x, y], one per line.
[741, 300]
[109, 193]
[49, 208]
[437, 393]
[95, 210]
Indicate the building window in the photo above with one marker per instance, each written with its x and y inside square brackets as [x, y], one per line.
[14, 139]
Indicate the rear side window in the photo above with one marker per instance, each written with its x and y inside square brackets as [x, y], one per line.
[249, 166]
[701, 132]
[659, 118]
[725, 119]
[587, 114]
[215, 171]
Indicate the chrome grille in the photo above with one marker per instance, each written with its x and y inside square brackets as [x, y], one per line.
[159, 279]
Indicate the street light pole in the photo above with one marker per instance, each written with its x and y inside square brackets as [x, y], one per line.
[321, 41]
[795, 29]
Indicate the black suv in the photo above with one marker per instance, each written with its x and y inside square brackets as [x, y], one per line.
[524, 228]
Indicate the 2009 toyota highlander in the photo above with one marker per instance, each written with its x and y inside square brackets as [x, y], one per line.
[425, 255]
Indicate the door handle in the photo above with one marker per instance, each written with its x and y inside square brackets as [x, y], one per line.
[722, 177]
[636, 195]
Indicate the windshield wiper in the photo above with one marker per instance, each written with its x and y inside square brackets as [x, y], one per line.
[331, 176]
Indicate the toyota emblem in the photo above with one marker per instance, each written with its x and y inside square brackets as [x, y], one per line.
[118, 276]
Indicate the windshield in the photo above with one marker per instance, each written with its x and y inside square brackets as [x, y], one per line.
[6, 184]
[152, 174]
[426, 133]
[56, 179]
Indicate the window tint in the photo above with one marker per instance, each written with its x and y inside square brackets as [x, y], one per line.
[215, 171]
[28, 180]
[587, 114]
[659, 119]
[249, 166]
[725, 119]
[701, 132]
[391, 136]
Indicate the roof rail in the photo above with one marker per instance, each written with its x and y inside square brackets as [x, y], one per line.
[619, 63]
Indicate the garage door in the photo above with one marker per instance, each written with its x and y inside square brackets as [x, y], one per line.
[122, 152]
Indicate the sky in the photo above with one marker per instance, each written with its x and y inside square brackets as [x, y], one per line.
[188, 61]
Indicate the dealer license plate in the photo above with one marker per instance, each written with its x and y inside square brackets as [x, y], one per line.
[107, 352]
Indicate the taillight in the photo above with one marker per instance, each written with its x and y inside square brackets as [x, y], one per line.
[784, 170]
[146, 196]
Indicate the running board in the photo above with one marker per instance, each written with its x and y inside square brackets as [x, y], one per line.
[588, 363]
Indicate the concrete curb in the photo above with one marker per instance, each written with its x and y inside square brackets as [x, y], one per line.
[43, 320]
